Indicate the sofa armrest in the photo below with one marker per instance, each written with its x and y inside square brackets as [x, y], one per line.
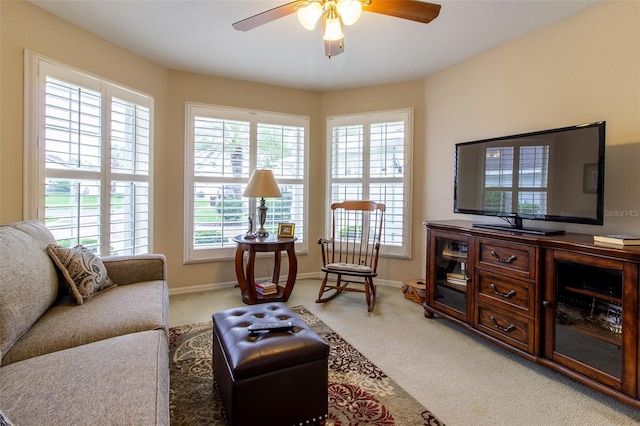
[134, 269]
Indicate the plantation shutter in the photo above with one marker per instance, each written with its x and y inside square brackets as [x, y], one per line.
[368, 159]
[96, 144]
[223, 147]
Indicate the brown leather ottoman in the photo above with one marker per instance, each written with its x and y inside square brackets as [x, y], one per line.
[269, 378]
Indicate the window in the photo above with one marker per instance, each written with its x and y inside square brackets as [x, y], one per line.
[515, 179]
[223, 147]
[368, 157]
[88, 147]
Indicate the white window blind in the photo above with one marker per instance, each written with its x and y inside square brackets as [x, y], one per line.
[368, 159]
[223, 147]
[90, 171]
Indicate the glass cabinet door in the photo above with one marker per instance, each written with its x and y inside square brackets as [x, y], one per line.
[588, 319]
[451, 276]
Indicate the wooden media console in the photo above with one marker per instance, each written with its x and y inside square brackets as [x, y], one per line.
[559, 300]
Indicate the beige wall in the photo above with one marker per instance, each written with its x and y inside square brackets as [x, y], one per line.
[585, 68]
[26, 27]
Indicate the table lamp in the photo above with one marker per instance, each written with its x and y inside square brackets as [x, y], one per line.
[262, 184]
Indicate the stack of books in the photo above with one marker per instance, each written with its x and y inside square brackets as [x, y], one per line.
[619, 240]
[266, 288]
[457, 280]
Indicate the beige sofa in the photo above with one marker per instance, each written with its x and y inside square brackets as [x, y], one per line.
[104, 361]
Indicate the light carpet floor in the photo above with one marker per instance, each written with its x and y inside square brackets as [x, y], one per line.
[461, 378]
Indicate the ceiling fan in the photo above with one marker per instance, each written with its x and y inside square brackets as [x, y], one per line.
[336, 13]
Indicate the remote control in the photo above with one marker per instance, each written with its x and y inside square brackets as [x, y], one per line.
[272, 326]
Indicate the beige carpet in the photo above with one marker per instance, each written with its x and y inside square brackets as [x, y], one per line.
[462, 379]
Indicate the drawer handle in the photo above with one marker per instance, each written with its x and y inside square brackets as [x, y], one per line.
[499, 327]
[508, 295]
[509, 260]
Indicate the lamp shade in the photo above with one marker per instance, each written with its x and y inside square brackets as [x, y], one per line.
[309, 15]
[333, 28]
[262, 184]
[349, 10]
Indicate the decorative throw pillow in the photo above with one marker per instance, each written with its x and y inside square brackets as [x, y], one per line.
[4, 421]
[83, 271]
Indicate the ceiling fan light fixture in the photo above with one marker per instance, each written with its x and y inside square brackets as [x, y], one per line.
[349, 10]
[333, 26]
[310, 14]
[336, 13]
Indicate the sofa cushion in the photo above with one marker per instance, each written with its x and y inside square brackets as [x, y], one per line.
[82, 270]
[137, 268]
[29, 283]
[121, 310]
[118, 381]
[4, 420]
[36, 230]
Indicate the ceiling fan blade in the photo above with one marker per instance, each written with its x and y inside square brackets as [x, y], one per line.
[266, 17]
[333, 48]
[413, 10]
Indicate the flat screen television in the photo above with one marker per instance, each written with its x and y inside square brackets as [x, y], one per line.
[553, 175]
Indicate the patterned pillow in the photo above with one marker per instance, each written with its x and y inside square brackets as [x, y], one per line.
[83, 271]
[4, 421]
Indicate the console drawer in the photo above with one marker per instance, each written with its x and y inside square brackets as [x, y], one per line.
[516, 259]
[511, 328]
[513, 294]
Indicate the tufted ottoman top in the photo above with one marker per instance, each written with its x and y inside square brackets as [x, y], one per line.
[252, 354]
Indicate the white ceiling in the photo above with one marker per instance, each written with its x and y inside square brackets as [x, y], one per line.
[196, 36]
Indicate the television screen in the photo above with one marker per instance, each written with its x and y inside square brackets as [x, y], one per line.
[555, 175]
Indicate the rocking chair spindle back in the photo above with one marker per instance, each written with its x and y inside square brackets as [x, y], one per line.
[351, 254]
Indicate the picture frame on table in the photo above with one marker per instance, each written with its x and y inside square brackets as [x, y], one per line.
[286, 230]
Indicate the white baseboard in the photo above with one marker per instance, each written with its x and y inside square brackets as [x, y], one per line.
[218, 286]
[199, 288]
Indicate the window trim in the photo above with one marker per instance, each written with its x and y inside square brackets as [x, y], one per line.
[367, 119]
[34, 168]
[190, 255]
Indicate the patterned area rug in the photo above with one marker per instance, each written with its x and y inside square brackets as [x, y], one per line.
[359, 392]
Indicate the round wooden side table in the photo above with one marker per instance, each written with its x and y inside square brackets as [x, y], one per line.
[246, 275]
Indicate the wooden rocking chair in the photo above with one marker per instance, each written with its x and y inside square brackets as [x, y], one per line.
[352, 252]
